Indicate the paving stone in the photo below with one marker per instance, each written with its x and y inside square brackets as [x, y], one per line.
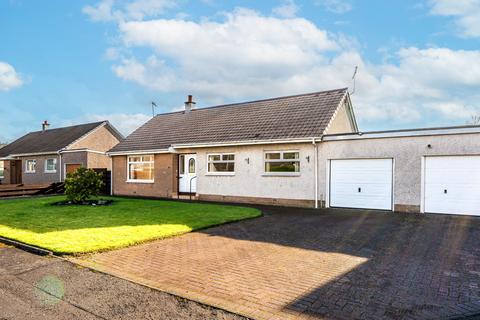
[307, 264]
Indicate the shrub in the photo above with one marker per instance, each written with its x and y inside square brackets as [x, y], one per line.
[83, 184]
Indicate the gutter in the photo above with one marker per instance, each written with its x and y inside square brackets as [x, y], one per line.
[315, 170]
[60, 164]
[135, 152]
[241, 143]
[172, 148]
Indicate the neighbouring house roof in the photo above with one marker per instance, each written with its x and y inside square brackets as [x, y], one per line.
[52, 140]
[299, 116]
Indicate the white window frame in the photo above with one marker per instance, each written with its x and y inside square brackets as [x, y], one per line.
[221, 173]
[2, 174]
[26, 166]
[46, 165]
[279, 173]
[137, 162]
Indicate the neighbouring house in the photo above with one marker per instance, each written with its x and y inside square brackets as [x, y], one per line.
[303, 150]
[46, 156]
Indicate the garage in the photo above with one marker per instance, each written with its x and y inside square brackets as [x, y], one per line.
[361, 183]
[452, 185]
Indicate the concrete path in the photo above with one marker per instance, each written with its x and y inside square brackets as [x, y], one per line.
[305, 264]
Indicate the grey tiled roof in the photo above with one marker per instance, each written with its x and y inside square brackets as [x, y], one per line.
[299, 116]
[51, 140]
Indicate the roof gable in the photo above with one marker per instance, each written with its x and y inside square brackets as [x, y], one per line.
[298, 116]
[48, 141]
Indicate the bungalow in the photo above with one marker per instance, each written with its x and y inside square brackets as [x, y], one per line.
[46, 156]
[303, 150]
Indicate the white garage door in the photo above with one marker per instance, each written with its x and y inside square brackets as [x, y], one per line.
[364, 183]
[452, 185]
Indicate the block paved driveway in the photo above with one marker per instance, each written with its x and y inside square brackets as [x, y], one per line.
[306, 264]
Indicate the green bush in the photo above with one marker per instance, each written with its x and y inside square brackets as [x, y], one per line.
[83, 184]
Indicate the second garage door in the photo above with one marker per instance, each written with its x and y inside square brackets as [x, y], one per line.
[452, 185]
[361, 183]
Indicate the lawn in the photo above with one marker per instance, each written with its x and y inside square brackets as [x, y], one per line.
[81, 229]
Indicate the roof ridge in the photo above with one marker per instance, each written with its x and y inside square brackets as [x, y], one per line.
[75, 125]
[256, 101]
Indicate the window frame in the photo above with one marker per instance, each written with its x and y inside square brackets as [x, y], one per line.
[55, 162]
[2, 172]
[281, 159]
[26, 166]
[129, 180]
[221, 173]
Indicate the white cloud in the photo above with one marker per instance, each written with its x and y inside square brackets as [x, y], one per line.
[108, 10]
[234, 57]
[288, 9]
[124, 122]
[465, 12]
[249, 55]
[111, 54]
[335, 6]
[102, 11]
[9, 78]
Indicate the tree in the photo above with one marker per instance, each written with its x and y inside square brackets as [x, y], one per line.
[83, 184]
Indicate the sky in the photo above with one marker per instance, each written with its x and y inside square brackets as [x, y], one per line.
[73, 62]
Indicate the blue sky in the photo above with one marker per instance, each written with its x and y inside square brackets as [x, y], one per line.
[77, 61]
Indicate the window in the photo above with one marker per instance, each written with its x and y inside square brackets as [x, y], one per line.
[181, 164]
[191, 165]
[51, 165]
[141, 168]
[282, 161]
[2, 169]
[30, 166]
[221, 163]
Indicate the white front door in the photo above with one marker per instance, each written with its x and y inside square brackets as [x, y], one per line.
[187, 172]
[361, 183]
[452, 185]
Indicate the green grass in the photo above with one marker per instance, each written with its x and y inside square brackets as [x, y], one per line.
[82, 229]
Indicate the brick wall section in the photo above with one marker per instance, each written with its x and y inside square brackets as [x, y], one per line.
[258, 200]
[40, 176]
[405, 208]
[98, 161]
[165, 185]
[79, 157]
[6, 173]
[100, 139]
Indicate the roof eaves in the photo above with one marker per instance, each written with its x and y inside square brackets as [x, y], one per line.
[244, 142]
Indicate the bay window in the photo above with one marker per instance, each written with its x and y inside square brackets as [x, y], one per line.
[141, 168]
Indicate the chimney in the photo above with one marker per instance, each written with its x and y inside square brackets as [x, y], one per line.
[45, 125]
[189, 104]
